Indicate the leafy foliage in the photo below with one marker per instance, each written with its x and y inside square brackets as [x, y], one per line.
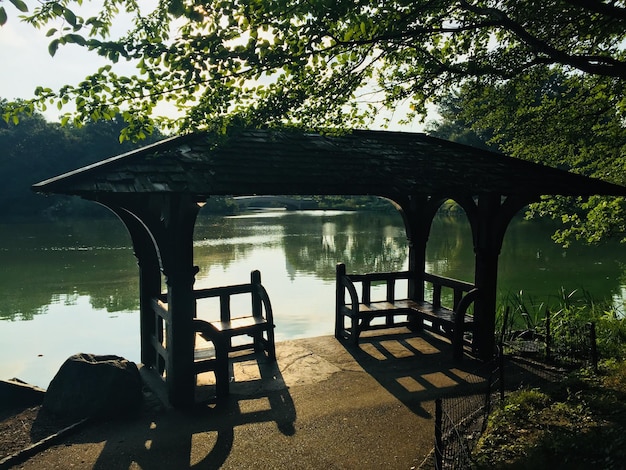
[541, 80]
[570, 121]
[576, 425]
[19, 4]
[316, 63]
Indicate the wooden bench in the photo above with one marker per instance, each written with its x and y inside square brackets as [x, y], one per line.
[257, 324]
[356, 314]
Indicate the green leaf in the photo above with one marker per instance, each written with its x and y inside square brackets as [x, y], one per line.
[176, 8]
[3, 16]
[76, 39]
[51, 32]
[20, 5]
[69, 16]
[53, 46]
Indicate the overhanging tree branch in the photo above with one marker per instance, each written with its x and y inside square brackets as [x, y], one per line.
[594, 64]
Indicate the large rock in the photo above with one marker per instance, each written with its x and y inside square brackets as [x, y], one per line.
[88, 385]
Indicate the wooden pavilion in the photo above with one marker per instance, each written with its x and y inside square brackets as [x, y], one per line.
[158, 190]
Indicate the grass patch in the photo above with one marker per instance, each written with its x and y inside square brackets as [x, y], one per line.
[577, 424]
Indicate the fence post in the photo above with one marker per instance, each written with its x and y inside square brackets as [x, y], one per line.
[438, 434]
[501, 371]
[505, 321]
[548, 335]
[593, 346]
[487, 405]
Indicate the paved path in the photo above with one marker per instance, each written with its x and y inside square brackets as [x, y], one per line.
[324, 405]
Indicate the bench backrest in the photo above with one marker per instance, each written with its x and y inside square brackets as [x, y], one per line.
[258, 295]
[459, 288]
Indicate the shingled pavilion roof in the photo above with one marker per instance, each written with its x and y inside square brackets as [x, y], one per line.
[263, 162]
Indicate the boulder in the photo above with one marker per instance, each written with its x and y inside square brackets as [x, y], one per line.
[88, 386]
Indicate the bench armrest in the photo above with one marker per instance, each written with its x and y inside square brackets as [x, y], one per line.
[347, 283]
[459, 321]
[461, 309]
[267, 305]
[467, 300]
[205, 329]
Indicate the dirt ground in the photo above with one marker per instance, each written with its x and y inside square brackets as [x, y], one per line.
[23, 427]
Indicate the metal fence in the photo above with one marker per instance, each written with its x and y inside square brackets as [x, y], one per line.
[568, 343]
[460, 420]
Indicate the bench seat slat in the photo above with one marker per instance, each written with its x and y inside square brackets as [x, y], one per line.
[240, 325]
[384, 308]
[443, 314]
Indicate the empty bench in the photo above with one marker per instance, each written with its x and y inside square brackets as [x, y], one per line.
[256, 323]
[356, 313]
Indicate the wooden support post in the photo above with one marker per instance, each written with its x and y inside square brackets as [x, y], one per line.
[488, 236]
[391, 290]
[436, 295]
[149, 288]
[225, 307]
[486, 271]
[173, 232]
[417, 212]
[340, 294]
[180, 378]
[366, 291]
[489, 220]
[257, 307]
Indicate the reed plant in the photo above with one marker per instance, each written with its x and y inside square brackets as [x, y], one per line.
[524, 317]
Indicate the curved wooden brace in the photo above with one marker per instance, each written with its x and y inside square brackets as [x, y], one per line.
[459, 321]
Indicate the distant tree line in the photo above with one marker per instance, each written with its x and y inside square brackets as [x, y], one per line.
[35, 149]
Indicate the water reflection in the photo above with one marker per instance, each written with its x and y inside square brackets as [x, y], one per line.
[80, 279]
[297, 254]
[450, 251]
[39, 264]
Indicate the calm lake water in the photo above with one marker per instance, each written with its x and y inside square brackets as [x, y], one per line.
[73, 287]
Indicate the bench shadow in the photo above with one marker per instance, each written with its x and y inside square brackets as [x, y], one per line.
[202, 437]
[417, 367]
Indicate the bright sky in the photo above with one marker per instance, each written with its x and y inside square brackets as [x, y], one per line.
[25, 64]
